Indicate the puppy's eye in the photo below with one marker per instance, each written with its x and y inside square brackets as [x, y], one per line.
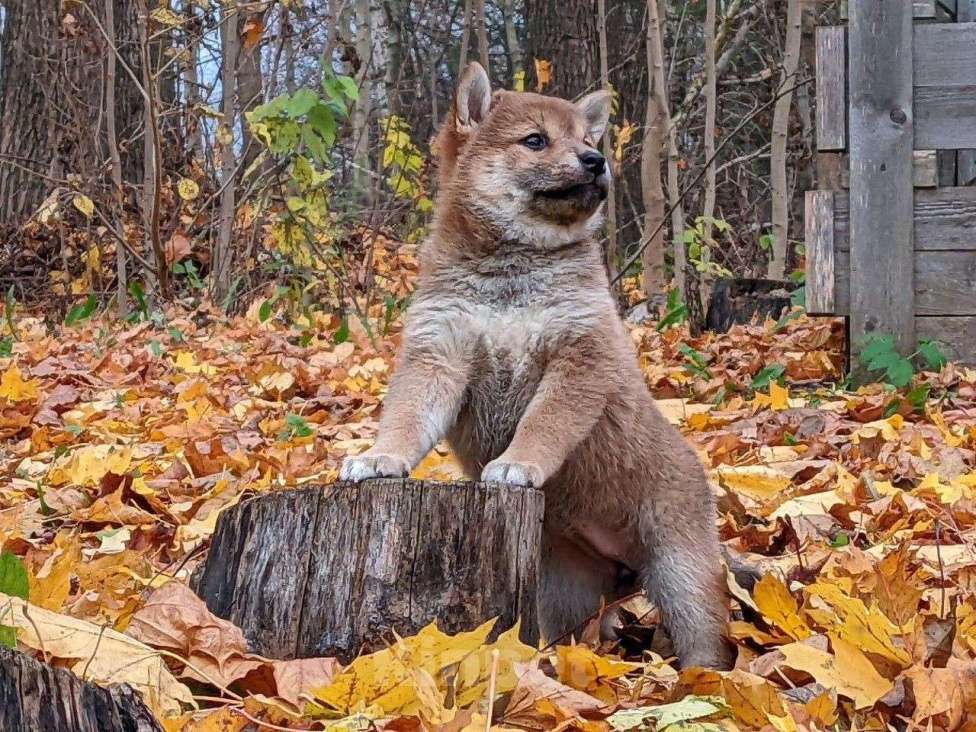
[535, 141]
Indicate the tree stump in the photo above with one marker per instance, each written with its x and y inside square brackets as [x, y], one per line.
[740, 300]
[35, 696]
[331, 571]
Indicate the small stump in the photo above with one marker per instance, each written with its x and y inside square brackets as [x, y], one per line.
[740, 300]
[35, 696]
[331, 571]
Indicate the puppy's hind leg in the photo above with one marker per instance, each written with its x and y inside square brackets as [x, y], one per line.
[684, 578]
[573, 584]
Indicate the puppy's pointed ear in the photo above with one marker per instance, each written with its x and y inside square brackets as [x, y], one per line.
[473, 98]
[596, 111]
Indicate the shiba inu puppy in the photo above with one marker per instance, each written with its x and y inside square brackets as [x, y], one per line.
[514, 351]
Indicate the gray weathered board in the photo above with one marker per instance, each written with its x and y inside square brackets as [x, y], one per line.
[944, 89]
[943, 263]
[332, 571]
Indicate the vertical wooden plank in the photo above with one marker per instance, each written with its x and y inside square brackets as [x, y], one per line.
[819, 241]
[925, 169]
[831, 62]
[881, 141]
[966, 159]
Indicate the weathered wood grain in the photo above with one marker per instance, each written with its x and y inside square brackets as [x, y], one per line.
[944, 218]
[921, 9]
[819, 217]
[831, 69]
[36, 697]
[333, 571]
[945, 117]
[944, 283]
[956, 335]
[880, 141]
[945, 54]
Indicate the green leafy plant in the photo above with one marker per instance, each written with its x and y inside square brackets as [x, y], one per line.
[702, 245]
[695, 362]
[81, 311]
[295, 427]
[188, 269]
[881, 355]
[770, 373]
[675, 311]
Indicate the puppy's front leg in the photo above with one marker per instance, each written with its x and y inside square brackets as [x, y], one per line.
[422, 403]
[570, 399]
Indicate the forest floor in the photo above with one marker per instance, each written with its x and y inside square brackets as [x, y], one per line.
[122, 444]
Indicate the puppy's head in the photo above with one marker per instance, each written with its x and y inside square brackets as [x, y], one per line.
[526, 164]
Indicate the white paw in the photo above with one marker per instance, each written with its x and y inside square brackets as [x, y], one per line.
[506, 471]
[362, 467]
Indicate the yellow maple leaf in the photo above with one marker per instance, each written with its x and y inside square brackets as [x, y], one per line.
[89, 464]
[581, 668]
[779, 607]
[185, 361]
[759, 482]
[848, 671]
[14, 388]
[385, 680]
[866, 627]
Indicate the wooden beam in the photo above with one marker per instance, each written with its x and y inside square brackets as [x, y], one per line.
[831, 63]
[921, 9]
[925, 169]
[944, 283]
[820, 252]
[955, 335]
[944, 218]
[881, 139]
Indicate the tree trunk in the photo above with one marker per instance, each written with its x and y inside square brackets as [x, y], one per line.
[361, 111]
[465, 37]
[711, 102]
[47, 110]
[781, 127]
[656, 122]
[564, 32]
[483, 36]
[341, 567]
[610, 253]
[513, 45]
[223, 252]
[35, 696]
[250, 90]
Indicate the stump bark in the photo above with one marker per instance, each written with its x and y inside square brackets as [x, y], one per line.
[35, 696]
[740, 300]
[331, 571]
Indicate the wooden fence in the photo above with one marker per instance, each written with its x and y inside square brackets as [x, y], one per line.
[896, 251]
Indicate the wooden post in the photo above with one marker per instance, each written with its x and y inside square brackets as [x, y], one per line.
[881, 142]
[966, 159]
[35, 696]
[330, 572]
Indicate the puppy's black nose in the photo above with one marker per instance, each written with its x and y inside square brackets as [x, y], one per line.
[593, 162]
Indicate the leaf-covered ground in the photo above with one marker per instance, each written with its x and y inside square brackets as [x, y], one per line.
[121, 445]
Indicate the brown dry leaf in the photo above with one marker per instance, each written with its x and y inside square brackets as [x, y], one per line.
[533, 685]
[300, 675]
[176, 619]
